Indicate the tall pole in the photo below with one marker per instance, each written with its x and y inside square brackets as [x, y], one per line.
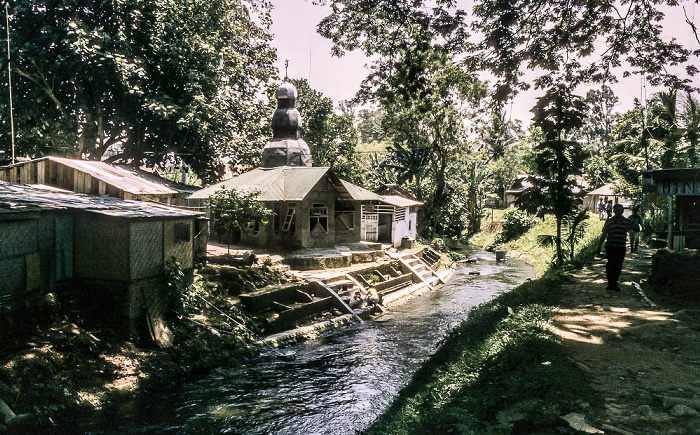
[9, 82]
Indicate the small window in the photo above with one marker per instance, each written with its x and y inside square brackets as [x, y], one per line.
[318, 218]
[181, 233]
[399, 214]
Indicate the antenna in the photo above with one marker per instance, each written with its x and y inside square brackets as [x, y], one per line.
[9, 83]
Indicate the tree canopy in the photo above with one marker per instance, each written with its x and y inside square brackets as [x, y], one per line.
[139, 79]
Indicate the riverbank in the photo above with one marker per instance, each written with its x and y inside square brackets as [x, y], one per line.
[66, 366]
[562, 354]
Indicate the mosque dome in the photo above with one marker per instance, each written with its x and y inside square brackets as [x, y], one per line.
[286, 147]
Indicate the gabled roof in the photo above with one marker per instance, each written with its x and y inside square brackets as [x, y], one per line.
[282, 183]
[21, 197]
[360, 194]
[129, 180]
[605, 190]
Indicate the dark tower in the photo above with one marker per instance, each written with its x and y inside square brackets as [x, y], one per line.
[286, 147]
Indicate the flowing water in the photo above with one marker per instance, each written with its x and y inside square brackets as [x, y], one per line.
[339, 383]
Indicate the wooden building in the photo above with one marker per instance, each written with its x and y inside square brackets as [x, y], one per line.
[111, 250]
[681, 187]
[97, 178]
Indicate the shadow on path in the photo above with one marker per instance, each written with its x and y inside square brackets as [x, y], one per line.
[643, 360]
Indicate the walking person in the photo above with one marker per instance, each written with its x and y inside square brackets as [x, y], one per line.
[601, 210]
[609, 208]
[636, 222]
[615, 236]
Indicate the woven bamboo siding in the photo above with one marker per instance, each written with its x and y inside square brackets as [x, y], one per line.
[145, 249]
[180, 249]
[17, 243]
[101, 249]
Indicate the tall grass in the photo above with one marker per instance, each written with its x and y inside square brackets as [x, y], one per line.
[530, 250]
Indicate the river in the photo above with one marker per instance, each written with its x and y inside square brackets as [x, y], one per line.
[338, 383]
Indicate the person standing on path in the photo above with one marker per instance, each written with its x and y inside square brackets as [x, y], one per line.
[609, 208]
[636, 222]
[615, 236]
[601, 210]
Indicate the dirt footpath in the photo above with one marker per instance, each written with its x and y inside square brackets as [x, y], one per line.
[643, 359]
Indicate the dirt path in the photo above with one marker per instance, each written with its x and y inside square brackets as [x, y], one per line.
[643, 359]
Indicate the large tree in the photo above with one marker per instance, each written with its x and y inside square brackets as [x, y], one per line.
[423, 90]
[140, 78]
[583, 40]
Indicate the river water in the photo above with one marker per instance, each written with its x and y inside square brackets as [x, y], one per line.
[338, 383]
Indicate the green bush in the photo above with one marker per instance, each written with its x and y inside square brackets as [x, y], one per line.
[184, 290]
[515, 223]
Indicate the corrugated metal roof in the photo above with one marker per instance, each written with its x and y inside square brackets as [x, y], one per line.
[400, 201]
[23, 196]
[360, 194]
[283, 183]
[120, 178]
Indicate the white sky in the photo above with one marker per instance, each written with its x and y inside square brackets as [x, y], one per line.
[295, 37]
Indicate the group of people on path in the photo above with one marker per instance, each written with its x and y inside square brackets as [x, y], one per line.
[615, 234]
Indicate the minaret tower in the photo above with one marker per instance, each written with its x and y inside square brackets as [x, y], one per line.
[286, 147]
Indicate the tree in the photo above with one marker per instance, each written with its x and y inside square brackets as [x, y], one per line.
[424, 92]
[237, 211]
[558, 113]
[691, 121]
[332, 137]
[560, 37]
[665, 126]
[141, 79]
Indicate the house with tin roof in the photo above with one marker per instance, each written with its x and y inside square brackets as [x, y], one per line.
[312, 207]
[96, 247]
[97, 178]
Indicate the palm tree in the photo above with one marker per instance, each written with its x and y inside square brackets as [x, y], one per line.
[691, 119]
[665, 126]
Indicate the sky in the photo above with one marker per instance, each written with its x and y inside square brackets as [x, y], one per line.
[296, 40]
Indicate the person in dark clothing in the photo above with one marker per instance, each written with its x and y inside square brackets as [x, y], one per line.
[636, 221]
[615, 236]
[609, 208]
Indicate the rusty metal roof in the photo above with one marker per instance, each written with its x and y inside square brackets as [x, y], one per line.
[129, 180]
[23, 197]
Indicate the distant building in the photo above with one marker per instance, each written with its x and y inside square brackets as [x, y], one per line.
[107, 249]
[683, 185]
[97, 178]
[517, 187]
[312, 206]
[605, 192]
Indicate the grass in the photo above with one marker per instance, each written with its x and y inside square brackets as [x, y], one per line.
[503, 370]
[527, 246]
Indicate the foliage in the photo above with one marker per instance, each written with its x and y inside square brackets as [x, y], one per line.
[234, 210]
[505, 342]
[559, 159]
[514, 224]
[184, 290]
[574, 227]
[137, 80]
[424, 93]
[560, 38]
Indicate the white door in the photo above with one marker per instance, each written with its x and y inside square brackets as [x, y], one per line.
[370, 227]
